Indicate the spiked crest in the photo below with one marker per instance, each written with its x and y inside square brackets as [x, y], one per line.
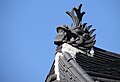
[82, 30]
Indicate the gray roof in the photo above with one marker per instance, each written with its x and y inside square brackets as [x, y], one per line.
[103, 67]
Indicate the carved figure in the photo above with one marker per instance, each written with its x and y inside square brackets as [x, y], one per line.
[77, 35]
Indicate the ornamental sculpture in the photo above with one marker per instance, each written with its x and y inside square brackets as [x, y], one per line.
[78, 34]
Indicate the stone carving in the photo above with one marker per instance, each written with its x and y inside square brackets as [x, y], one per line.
[79, 34]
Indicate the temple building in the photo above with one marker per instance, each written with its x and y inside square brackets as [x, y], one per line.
[76, 57]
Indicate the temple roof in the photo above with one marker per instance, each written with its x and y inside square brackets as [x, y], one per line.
[104, 64]
[76, 57]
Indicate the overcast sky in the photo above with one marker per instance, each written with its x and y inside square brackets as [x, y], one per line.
[28, 29]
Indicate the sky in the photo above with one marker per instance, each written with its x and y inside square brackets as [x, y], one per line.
[28, 29]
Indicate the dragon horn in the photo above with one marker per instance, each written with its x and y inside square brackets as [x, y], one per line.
[76, 19]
